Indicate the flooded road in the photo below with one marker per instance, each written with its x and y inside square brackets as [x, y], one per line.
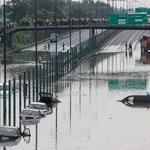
[89, 116]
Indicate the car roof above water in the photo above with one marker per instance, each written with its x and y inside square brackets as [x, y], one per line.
[10, 131]
[30, 111]
[40, 103]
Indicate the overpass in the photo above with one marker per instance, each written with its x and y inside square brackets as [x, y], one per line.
[75, 27]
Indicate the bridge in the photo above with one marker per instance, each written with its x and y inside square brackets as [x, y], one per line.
[74, 27]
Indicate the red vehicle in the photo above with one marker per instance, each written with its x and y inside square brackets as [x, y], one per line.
[145, 49]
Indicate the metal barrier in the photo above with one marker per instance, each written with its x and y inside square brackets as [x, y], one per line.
[21, 91]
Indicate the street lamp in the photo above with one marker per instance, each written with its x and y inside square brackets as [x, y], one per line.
[4, 29]
[36, 59]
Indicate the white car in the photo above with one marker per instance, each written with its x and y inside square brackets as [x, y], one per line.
[30, 116]
[42, 107]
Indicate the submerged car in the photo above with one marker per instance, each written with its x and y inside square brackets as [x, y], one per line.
[30, 116]
[11, 135]
[42, 107]
[12, 132]
[48, 99]
[137, 100]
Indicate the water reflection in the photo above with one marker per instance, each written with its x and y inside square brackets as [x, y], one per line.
[119, 84]
[10, 143]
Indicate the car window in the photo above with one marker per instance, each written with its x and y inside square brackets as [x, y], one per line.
[130, 100]
[37, 106]
[30, 112]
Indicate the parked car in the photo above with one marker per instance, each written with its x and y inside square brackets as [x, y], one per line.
[30, 116]
[42, 107]
[53, 37]
[48, 99]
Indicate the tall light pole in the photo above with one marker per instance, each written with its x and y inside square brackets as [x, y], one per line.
[4, 29]
[36, 59]
[56, 15]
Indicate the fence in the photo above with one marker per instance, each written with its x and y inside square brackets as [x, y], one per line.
[24, 88]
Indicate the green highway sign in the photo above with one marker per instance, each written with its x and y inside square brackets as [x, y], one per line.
[140, 9]
[137, 18]
[117, 19]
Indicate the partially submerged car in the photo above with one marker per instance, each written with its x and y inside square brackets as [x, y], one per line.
[30, 116]
[11, 135]
[137, 101]
[48, 99]
[42, 107]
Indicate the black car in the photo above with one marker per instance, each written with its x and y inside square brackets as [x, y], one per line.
[137, 100]
[48, 99]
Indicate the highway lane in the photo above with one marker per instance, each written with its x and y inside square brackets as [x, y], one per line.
[64, 39]
[89, 116]
[14, 69]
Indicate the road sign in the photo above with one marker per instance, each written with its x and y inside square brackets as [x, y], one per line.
[148, 11]
[117, 19]
[140, 9]
[137, 18]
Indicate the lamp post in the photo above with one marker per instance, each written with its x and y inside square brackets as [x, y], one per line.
[79, 27]
[36, 59]
[4, 30]
[56, 70]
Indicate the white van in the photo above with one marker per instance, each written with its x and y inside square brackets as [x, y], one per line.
[53, 37]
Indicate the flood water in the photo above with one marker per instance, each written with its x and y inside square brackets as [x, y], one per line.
[89, 116]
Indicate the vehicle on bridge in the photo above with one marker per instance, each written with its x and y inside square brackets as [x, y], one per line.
[145, 49]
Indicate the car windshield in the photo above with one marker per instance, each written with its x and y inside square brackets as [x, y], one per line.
[37, 106]
[30, 112]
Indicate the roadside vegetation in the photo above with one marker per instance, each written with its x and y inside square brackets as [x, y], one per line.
[24, 11]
